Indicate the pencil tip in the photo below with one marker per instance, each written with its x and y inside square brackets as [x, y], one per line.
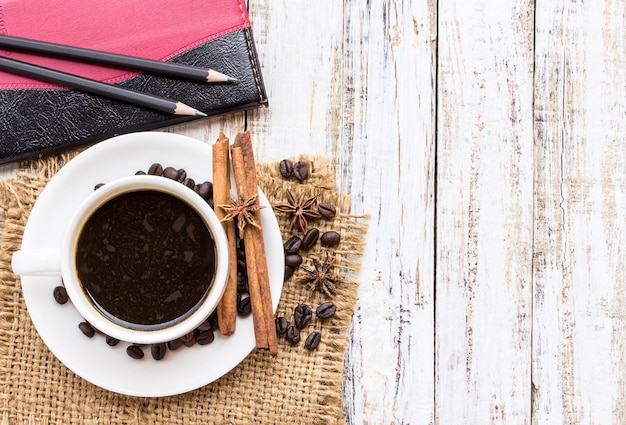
[182, 109]
[217, 77]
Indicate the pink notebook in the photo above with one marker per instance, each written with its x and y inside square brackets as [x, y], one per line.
[37, 117]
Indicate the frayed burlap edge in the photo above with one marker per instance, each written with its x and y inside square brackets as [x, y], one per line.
[297, 386]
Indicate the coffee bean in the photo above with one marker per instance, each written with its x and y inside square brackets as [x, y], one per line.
[302, 315]
[111, 342]
[293, 335]
[213, 320]
[60, 294]
[189, 339]
[134, 351]
[158, 351]
[182, 175]
[190, 183]
[205, 190]
[204, 326]
[330, 238]
[288, 272]
[301, 171]
[313, 340]
[244, 307]
[170, 173]
[98, 186]
[310, 238]
[326, 210]
[241, 265]
[155, 169]
[140, 173]
[293, 244]
[175, 344]
[242, 282]
[286, 168]
[325, 310]
[293, 260]
[87, 329]
[281, 325]
[205, 337]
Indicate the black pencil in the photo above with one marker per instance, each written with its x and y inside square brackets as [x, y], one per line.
[96, 87]
[124, 61]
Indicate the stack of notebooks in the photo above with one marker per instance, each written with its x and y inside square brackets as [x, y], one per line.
[38, 117]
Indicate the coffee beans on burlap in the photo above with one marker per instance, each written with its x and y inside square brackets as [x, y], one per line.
[259, 390]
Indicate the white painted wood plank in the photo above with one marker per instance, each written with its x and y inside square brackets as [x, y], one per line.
[387, 164]
[484, 212]
[579, 374]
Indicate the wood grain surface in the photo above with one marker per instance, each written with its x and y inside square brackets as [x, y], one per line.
[486, 139]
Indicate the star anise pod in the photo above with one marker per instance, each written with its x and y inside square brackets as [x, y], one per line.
[300, 209]
[321, 277]
[242, 211]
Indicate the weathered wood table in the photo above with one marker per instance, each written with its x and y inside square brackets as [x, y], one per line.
[487, 141]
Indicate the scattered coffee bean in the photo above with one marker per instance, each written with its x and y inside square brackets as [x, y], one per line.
[60, 294]
[288, 272]
[213, 320]
[175, 344]
[330, 238]
[293, 260]
[205, 337]
[170, 173]
[293, 244]
[242, 282]
[281, 325]
[87, 329]
[286, 168]
[293, 335]
[155, 169]
[182, 175]
[140, 173]
[189, 339]
[134, 351]
[313, 340]
[326, 210]
[158, 351]
[244, 307]
[310, 238]
[190, 183]
[325, 310]
[111, 342]
[98, 186]
[204, 326]
[302, 315]
[301, 171]
[205, 190]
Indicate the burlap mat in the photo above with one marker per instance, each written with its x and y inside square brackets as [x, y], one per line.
[296, 387]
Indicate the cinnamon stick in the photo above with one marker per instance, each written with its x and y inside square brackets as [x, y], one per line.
[259, 243]
[256, 261]
[227, 307]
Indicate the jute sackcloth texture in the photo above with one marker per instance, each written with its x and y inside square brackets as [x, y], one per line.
[296, 387]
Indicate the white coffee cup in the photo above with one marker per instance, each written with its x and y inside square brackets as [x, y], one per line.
[61, 261]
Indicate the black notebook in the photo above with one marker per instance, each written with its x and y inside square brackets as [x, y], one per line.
[38, 118]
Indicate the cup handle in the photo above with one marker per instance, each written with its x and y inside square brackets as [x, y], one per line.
[37, 262]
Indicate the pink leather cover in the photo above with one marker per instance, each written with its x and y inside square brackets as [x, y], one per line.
[155, 29]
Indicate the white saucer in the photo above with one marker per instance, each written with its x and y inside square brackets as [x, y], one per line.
[110, 367]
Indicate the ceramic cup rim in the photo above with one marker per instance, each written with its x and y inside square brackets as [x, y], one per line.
[74, 288]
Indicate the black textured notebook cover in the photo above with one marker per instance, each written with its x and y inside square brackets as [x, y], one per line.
[36, 121]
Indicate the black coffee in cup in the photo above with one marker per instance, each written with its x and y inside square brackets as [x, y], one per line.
[146, 259]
